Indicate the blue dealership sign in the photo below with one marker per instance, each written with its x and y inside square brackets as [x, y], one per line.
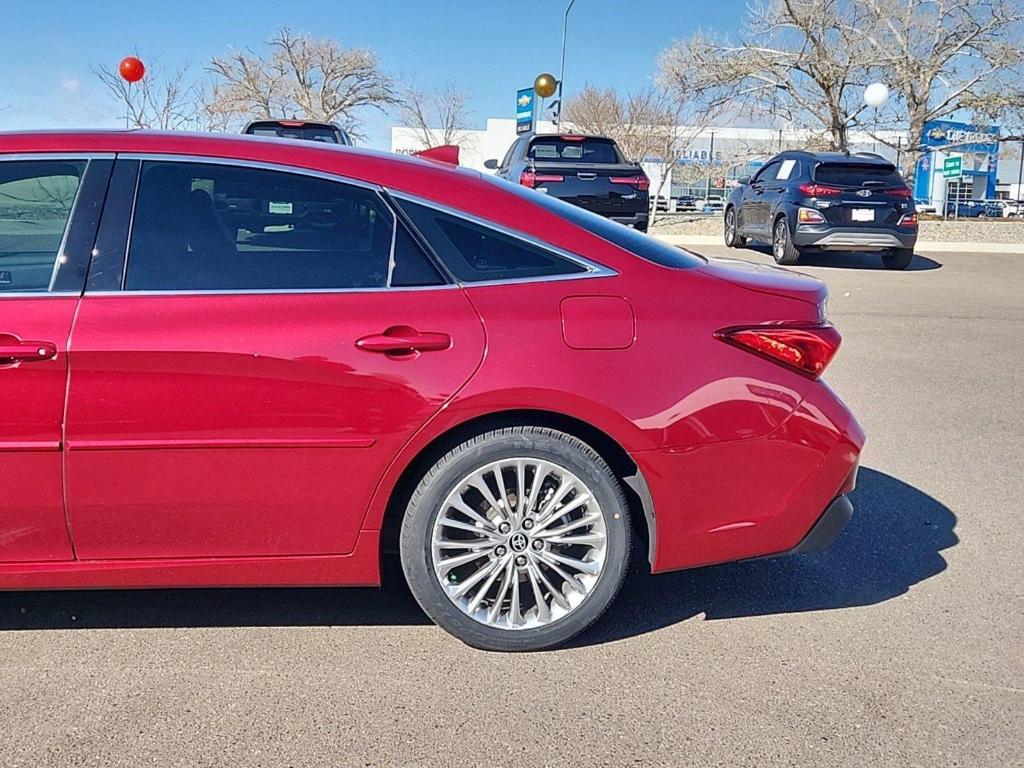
[978, 142]
[524, 110]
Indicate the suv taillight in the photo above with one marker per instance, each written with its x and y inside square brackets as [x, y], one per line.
[640, 182]
[819, 190]
[903, 192]
[807, 349]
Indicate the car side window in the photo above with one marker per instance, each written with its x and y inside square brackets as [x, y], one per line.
[788, 170]
[509, 155]
[211, 226]
[767, 173]
[36, 199]
[475, 253]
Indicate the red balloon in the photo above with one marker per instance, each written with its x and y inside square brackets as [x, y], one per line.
[132, 69]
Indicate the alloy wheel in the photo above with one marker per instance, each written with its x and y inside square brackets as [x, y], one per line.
[779, 241]
[519, 543]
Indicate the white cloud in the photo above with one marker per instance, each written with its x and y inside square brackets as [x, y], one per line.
[71, 85]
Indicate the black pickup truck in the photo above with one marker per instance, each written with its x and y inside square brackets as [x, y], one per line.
[588, 171]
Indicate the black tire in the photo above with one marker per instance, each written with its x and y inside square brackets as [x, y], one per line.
[417, 533]
[898, 258]
[783, 250]
[733, 238]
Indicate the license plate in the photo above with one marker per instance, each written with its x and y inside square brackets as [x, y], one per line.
[862, 214]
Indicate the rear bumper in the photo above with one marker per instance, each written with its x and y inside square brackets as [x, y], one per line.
[637, 220]
[852, 239]
[756, 497]
[831, 523]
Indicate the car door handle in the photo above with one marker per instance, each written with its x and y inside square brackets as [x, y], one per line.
[404, 340]
[14, 350]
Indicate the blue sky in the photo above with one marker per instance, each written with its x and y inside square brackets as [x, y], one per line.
[489, 48]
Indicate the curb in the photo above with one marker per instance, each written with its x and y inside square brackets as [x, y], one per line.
[936, 246]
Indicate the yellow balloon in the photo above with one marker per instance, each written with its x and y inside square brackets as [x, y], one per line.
[545, 85]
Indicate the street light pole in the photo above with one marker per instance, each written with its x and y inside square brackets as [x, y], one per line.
[561, 69]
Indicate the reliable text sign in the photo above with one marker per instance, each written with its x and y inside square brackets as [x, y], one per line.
[524, 110]
[952, 167]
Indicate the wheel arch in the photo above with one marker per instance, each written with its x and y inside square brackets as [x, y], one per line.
[638, 495]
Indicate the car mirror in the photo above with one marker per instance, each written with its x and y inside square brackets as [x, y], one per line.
[491, 164]
[743, 179]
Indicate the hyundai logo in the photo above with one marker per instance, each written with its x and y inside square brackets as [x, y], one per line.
[864, 192]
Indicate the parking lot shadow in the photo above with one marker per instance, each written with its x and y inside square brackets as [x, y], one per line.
[851, 260]
[894, 541]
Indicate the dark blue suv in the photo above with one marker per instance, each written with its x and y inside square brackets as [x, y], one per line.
[825, 201]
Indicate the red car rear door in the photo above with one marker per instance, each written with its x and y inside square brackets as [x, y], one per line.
[246, 366]
[49, 207]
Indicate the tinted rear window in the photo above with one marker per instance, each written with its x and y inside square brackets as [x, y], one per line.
[306, 132]
[846, 175]
[635, 242]
[577, 150]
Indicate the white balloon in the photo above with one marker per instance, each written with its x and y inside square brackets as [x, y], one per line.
[876, 94]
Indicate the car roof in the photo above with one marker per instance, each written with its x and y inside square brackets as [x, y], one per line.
[456, 187]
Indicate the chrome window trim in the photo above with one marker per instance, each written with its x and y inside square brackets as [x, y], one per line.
[61, 155]
[88, 157]
[377, 189]
[593, 269]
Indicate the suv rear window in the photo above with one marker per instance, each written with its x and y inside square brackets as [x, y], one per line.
[320, 133]
[583, 150]
[848, 175]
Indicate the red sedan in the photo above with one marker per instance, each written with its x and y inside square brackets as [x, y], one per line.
[232, 361]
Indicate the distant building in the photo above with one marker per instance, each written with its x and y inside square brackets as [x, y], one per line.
[717, 156]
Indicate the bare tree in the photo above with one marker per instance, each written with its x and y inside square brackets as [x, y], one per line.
[166, 101]
[437, 116]
[802, 61]
[650, 124]
[943, 56]
[298, 76]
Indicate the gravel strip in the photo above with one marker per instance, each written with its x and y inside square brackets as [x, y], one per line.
[964, 230]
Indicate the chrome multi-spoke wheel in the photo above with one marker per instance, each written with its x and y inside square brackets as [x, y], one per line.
[516, 539]
[519, 543]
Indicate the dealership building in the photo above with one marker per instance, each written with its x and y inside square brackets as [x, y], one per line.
[989, 169]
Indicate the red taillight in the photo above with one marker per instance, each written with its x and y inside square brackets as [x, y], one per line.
[640, 182]
[807, 349]
[531, 179]
[903, 192]
[292, 123]
[572, 137]
[819, 190]
[909, 220]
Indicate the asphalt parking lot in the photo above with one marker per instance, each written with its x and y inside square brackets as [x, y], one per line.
[901, 645]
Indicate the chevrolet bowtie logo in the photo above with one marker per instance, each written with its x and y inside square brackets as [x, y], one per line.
[524, 101]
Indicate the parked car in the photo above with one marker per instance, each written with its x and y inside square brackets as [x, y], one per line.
[825, 201]
[967, 209]
[306, 130]
[713, 203]
[231, 362]
[587, 171]
[686, 203]
[1002, 208]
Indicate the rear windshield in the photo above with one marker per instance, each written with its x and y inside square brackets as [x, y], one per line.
[846, 175]
[307, 132]
[581, 150]
[621, 235]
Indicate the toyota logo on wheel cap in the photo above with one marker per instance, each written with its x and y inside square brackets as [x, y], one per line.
[518, 543]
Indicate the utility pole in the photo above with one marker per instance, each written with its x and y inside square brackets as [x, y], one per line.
[561, 69]
[711, 160]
